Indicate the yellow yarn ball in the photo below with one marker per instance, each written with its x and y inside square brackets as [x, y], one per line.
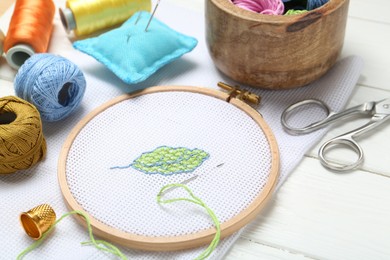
[22, 143]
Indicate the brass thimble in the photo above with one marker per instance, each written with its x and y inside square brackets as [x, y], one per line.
[38, 220]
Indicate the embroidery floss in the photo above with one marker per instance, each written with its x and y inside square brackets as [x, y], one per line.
[294, 12]
[52, 83]
[99, 244]
[271, 7]
[29, 31]
[313, 4]
[199, 202]
[22, 144]
[87, 16]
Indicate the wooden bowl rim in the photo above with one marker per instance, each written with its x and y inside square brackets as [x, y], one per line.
[233, 10]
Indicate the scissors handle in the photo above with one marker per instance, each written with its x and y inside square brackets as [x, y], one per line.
[330, 118]
[345, 140]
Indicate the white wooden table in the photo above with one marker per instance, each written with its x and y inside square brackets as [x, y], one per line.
[316, 213]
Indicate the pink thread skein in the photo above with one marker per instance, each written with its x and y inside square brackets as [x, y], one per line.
[272, 7]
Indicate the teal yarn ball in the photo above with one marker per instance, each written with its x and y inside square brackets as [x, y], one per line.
[52, 83]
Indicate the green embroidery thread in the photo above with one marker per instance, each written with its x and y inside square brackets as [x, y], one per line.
[294, 12]
[167, 160]
[99, 244]
[207, 252]
[110, 248]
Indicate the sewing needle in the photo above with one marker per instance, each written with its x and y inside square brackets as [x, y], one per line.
[151, 17]
[138, 16]
[186, 181]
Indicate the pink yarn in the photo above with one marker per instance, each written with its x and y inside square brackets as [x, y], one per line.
[273, 7]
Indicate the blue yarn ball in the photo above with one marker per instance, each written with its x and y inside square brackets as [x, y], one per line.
[313, 4]
[52, 83]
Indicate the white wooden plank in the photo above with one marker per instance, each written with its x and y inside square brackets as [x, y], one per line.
[245, 249]
[328, 215]
[376, 151]
[371, 41]
[373, 10]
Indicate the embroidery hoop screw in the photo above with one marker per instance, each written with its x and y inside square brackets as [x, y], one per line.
[242, 94]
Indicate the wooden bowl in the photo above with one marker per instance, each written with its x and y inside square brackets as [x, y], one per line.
[275, 51]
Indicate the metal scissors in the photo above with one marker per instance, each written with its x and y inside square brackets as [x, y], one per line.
[378, 110]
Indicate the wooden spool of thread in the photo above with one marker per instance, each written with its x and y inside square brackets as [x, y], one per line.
[275, 51]
[85, 17]
[22, 143]
[29, 31]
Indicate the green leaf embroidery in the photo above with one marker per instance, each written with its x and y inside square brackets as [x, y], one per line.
[167, 160]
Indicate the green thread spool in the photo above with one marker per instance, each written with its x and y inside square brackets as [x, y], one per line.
[22, 143]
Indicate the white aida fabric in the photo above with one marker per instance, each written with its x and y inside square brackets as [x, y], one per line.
[26, 189]
[232, 176]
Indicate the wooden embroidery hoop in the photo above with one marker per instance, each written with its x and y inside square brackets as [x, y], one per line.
[183, 241]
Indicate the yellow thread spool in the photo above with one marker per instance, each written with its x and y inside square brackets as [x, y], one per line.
[88, 16]
[22, 144]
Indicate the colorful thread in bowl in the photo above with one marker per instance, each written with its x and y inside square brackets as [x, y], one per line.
[275, 51]
[272, 7]
[313, 4]
[52, 83]
[278, 7]
[22, 143]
